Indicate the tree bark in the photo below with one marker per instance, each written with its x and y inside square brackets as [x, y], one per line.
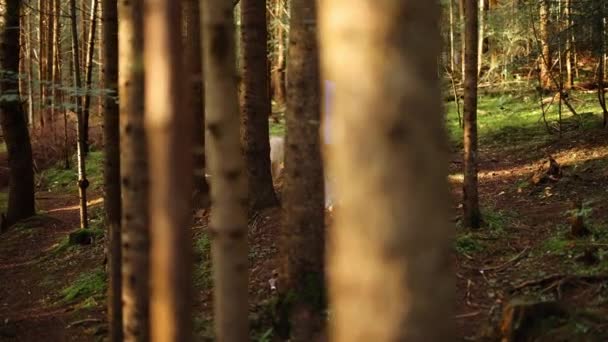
[135, 228]
[89, 74]
[112, 194]
[83, 183]
[169, 128]
[229, 178]
[255, 104]
[303, 242]
[278, 70]
[193, 52]
[545, 65]
[388, 250]
[21, 203]
[472, 214]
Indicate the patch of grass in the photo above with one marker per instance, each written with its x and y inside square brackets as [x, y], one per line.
[557, 245]
[202, 269]
[277, 129]
[60, 178]
[468, 244]
[87, 285]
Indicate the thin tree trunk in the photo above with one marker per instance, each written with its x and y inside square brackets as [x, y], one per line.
[50, 62]
[83, 183]
[41, 62]
[30, 68]
[452, 51]
[388, 251]
[134, 173]
[569, 45]
[193, 52]
[600, 55]
[472, 214]
[480, 37]
[112, 193]
[89, 75]
[278, 70]
[303, 232]
[21, 203]
[56, 71]
[545, 64]
[229, 181]
[255, 104]
[169, 128]
[462, 37]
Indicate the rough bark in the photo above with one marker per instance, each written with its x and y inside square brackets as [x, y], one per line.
[229, 202]
[21, 203]
[50, 62]
[193, 52]
[388, 252]
[303, 242]
[112, 196]
[169, 128]
[472, 215]
[134, 173]
[255, 104]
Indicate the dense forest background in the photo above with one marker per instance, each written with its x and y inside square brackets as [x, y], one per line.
[348, 170]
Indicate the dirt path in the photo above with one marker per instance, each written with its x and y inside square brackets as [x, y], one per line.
[34, 272]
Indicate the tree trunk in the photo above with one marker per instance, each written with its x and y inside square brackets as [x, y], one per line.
[112, 195]
[229, 178]
[303, 233]
[89, 74]
[600, 51]
[193, 52]
[21, 203]
[278, 70]
[255, 104]
[41, 61]
[480, 36]
[56, 67]
[169, 128]
[134, 173]
[569, 45]
[83, 183]
[452, 51]
[545, 65]
[30, 68]
[462, 37]
[50, 62]
[472, 215]
[388, 251]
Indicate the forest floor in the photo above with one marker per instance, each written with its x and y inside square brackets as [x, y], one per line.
[51, 289]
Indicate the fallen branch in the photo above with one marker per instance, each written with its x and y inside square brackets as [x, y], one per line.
[559, 277]
[515, 259]
[83, 321]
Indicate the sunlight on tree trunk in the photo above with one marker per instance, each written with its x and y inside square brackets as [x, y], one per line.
[388, 249]
[229, 202]
[169, 128]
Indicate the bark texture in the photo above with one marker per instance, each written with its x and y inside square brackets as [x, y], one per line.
[255, 104]
[472, 214]
[112, 196]
[303, 287]
[229, 202]
[21, 203]
[134, 173]
[388, 254]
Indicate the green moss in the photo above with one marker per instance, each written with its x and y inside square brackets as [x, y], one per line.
[87, 285]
